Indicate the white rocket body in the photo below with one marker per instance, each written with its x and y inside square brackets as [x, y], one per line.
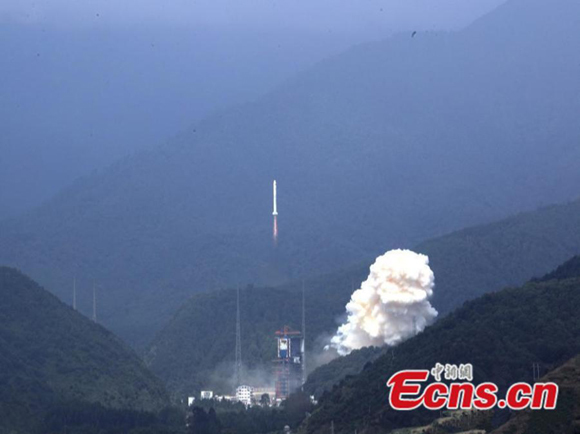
[275, 200]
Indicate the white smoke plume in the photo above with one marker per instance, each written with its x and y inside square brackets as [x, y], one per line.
[391, 306]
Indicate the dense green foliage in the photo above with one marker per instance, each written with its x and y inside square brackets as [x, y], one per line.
[49, 354]
[501, 334]
[326, 376]
[202, 422]
[564, 419]
[213, 417]
[90, 418]
[567, 270]
[385, 145]
[187, 353]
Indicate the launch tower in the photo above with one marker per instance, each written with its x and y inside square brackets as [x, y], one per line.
[289, 362]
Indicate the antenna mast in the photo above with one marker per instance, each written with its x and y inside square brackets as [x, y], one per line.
[536, 371]
[94, 303]
[238, 341]
[303, 333]
[75, 293]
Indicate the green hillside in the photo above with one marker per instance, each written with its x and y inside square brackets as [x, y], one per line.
[50, 354]
[565, 419]
[382, 146]
[502, 334]
[477, 260]
[567, 270]
[187, 353]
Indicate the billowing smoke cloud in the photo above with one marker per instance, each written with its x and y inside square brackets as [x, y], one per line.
[391, 306]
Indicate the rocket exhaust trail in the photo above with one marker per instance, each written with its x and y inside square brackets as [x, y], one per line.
[275, 213]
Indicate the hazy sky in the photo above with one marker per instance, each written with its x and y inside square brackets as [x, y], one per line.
[313, 15]
[101, 78]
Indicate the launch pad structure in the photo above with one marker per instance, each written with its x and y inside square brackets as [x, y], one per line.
[288, 364]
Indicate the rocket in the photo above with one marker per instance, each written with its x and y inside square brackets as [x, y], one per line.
[275, 213]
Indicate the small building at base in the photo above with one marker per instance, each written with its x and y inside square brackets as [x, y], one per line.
[245, 395]
[206, 394]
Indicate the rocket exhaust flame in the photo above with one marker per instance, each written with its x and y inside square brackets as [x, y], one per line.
[391, 306]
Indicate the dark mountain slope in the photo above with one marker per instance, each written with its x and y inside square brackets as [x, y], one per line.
[385, 145]
[466, 264]
[477, 260]
[51, 354]
[567, 270]
[501, 334]
[565, 419]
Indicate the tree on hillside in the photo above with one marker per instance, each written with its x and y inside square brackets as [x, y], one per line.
[201, 422]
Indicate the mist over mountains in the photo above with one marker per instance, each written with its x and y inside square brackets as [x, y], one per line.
[371, 149]
[86, 84]
[77, 99]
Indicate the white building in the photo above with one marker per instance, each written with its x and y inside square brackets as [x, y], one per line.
[190, 401]
[206, 394]
[245, 395]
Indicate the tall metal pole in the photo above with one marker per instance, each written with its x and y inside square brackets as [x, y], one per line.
[238, 342]
[303, 333]
[75, 293]
[94, 303]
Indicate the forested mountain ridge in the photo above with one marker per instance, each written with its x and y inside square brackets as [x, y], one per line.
[476, 260]
[51, 354]
[502, 334]
[196, 348]
[565, 418]
[567, 270]
[383, 146]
